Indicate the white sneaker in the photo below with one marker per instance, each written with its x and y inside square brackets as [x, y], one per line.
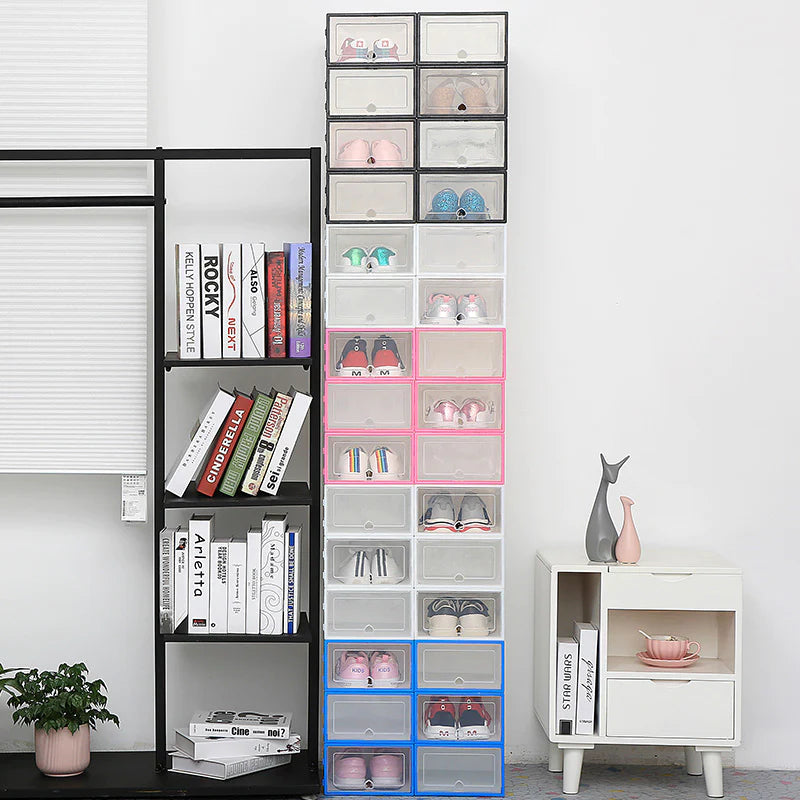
[384, 568]
[356, 569]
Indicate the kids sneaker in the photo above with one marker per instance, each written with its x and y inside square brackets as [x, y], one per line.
[384, 568]
[356, 152]
[445, 412]
[440, 719]
[471, 309]
[349, 771]
[471, 410]
[384, 465]
[473, 514]
[471, 205]
[383, 669]
[444, 205]
[386, 154]
[386, 771]
[352, 670]
[473, 617]
[353, 465]
[474, 721]
[354, 50]
[386, 361]
[356, 569]
[353, 361]
[441, 307]
[384, 50]
[440, 513]
[442, 616]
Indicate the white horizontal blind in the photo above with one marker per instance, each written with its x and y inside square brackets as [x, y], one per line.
[73, 341]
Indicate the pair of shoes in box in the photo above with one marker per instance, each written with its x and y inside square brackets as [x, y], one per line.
[384, 360]
[447, 205]
[356, 669]
[355, 464]
[440, 513]
[463, 96]
[380, 568]
[379, 153]
[470, 721]
[357, 49]
[447, 412]
[455, 616]
[444, 308]
[379, 771]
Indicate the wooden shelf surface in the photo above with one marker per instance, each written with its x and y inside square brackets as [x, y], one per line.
[302, 636]
[132, 774]
[292, 493]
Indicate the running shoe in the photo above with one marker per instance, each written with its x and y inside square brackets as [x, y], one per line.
[440, 718]
[353, 465]
[472, 309]
[349, 771]
[386, 771]
[442, 616]
[474, 721]
[386, 361]
[441, 307]
[353, 361]
[352, 670]
[471, 205]
[439, 513]
[473, 514]
[384, 567]
[384, 464]
[473, 617]
[356, 568]
[383, 669]
[444, 205]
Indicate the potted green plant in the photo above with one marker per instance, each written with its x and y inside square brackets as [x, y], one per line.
[62, 706]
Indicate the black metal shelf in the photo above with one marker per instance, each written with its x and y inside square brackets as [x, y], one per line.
[292, 493]
[171, 360]
[303, 636]
[132, 774]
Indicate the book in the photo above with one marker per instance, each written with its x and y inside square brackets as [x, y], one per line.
[566, 684]
[254, 301]
[291, 615]
[181, 572]
[273, 528]
[237, 579]
[586, 636]
[201, 747]
[253, 605]
[218, 593]
[232, 301]
[240, 723]
[211, 295]
[224, 768]
[298, 257]
[201, 531]
[257, 470]
[187, 271]
[276, 305]
[222, 449]
[202, 439]
[243, 450]
[286, 441]
[166, 607]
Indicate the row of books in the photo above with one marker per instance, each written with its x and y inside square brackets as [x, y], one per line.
[245, 585]
[576, 680]
[240, 301]
[242, 441]
[226, 744]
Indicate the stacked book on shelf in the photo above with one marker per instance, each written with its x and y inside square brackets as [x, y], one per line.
[227, 744]
[576, 680]
[230, 585]
[239, 300]
[242, 442]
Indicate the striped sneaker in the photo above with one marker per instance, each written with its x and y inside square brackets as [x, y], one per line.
[353, 465]
[384, 567]
[384, 465]
[356, 569]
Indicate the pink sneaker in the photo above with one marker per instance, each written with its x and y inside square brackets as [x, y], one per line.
[386, 154]
[446, 411]
[352, 670]
[383, 669]
[386, 771]
[349, 771]
[355, 152]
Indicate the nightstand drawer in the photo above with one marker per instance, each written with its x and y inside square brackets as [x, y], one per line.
[672, 709]
[672, 590]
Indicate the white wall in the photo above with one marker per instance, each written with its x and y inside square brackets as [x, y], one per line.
[653, 272]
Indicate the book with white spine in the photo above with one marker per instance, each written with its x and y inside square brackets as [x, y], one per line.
[218, 599]
[237, 578]
[566, 684]
[254, 301]
[286, 441]
[222, 769]
[262, 455]
[201, 532]
[586, 635]
[273, 527]
[253, 605]
[181, 569]
[166, 605]
[232, 301]
[211, 296]
[240, 723]
[194, 456]
[199, 747]
[187, 271]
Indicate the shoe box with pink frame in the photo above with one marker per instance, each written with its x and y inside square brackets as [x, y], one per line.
[414, 403]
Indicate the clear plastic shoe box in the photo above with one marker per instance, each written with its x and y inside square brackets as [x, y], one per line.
[478, 718]
[343, 559]
[459, 406]
[362, 39]
[336, 653]
[473, 302]
[364, 612]
[459, 770]
[474, 509]
[368, 406]
[378, 303]
[371, 145]
[381, 458]
[444, 666]
[460, 354]
[366, 347]
[463, 37]
[466, 626]
[458, 91]
[461, 249]
[462, 197]
[370, 250]
[442, 561]
[468, 458]
[374, 510]
[371, 92]
[385, 717]
[379, 769]
[355, 197]
[459, 143]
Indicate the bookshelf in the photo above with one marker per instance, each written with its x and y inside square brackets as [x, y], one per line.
[143, 773]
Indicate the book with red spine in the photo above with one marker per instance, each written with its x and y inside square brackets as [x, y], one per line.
[276, 305]
[223, 447]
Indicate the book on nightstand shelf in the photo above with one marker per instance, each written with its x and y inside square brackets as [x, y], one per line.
[566, 684]
[585, 634]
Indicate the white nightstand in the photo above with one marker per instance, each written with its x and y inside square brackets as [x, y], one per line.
[692, 593]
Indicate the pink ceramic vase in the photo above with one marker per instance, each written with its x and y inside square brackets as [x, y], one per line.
[62, 753]
[628, 549]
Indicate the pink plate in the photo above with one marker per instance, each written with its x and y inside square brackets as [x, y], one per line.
[668, 663]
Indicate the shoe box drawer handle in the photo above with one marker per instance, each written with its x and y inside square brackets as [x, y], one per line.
[369, 732]
[458, 577]
[458, 680]
[369, 629]
[672, 577]
[669, 682]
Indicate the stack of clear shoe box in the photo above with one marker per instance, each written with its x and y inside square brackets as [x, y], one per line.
[414, 403]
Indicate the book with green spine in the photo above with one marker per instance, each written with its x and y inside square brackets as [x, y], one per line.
[251, 432]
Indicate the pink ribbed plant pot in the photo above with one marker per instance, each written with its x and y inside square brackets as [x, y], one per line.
[62, 753]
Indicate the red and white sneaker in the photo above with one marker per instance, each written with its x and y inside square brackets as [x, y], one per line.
[386, 361]
[474, 721]
[440, 719]
[353, 361]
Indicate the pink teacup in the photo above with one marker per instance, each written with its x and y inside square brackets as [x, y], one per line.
[670, 647]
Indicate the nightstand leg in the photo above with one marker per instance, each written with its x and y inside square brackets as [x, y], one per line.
[712, 769]
[555, 761]
[573, 761]
[694, 761]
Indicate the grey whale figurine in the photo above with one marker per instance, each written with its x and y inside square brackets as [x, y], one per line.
[601, 535]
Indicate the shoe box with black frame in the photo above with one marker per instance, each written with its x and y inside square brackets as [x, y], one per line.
[414, 403]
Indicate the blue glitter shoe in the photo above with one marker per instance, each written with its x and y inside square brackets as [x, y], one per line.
[444, 205]
[472, 205]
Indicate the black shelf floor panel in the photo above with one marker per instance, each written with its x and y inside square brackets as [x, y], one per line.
[303, 636]
[171, 360]
[292, 493]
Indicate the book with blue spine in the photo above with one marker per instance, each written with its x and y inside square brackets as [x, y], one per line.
[298, 267]
[291, 616]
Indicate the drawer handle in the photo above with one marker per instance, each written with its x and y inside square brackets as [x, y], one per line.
[459, 681]
[458, 577]
[369, 732]
[669, 682]
[371, 108]
[369, 629]
[672, 577]
[369, 525]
